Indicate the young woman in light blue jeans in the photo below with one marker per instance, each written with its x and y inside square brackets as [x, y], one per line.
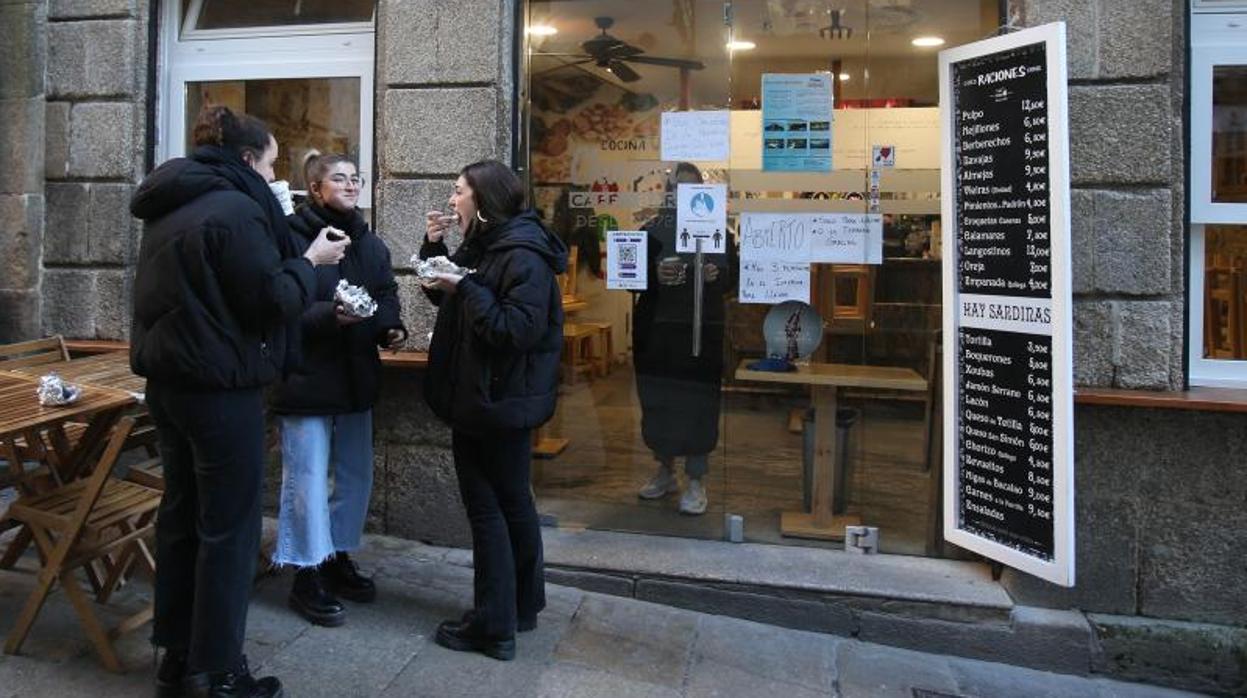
[325, 406]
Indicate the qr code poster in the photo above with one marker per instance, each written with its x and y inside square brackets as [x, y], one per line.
[626, 260]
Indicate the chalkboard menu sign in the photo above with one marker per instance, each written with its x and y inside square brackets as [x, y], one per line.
[1008, 375]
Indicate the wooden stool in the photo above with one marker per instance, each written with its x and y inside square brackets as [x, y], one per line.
[577, 351]
[603, 347]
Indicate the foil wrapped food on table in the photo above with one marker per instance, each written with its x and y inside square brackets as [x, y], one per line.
[54, 392]
[354, 300]
[426, 269]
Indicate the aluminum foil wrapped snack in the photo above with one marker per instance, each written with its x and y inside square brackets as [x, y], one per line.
[426, 269]
[354, 300]
[54, 392]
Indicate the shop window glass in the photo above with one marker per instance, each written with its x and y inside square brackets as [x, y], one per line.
[599, 76]
[1229, 134]
[1225, 292]
[321, 114]
[244, 14]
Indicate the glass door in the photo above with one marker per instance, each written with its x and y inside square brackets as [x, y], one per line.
[636, 444]
[851, 436]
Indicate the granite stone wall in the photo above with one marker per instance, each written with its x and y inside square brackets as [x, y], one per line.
[444, 100]
[23, 90]
[1127, 162]
[95, 123]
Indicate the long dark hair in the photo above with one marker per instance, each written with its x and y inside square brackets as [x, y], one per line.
[240, 134]
[497, 192]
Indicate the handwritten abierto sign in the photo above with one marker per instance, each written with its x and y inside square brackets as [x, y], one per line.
[772, 282]
[696, 136]
[838, 238]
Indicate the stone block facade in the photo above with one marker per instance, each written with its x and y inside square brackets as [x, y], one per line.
[443, 105]
[1127, 204]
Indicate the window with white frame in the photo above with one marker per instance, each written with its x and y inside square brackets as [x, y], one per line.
[1218, 181]
[304, 66]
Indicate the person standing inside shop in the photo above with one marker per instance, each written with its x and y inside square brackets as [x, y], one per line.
[326, 404]
[679, 391]
[218, 293]
[493, 376]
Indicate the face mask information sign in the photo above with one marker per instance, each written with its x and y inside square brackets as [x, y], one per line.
[701, 214]
[1008, 378]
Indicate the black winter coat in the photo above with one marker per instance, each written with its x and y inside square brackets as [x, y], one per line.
[340, 372]
[212, 295]
[494, 358]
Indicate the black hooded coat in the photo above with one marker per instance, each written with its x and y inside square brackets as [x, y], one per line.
[214, 298]
[494, 357]
[340, 372]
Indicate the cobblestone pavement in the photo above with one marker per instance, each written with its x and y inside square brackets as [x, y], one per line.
[586, 645]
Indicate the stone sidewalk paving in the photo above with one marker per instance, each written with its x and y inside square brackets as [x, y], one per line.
[586, 645]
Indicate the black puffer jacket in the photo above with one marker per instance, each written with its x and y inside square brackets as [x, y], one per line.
[212, 295]
[340, 370]
[494, 358]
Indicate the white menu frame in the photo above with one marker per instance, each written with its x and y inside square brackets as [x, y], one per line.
[1060, 570]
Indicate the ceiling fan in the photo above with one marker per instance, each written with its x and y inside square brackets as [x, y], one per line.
[614, 55]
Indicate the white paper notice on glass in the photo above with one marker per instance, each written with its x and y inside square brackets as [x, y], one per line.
[626, 260]
[836, 238]
[696, 136]
[701, 214]
[846, 238]
[772, 281]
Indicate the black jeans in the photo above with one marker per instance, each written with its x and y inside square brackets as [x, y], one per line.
[509, 579]
[208, 533]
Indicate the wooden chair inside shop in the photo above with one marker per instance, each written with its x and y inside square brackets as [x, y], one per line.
[578, 339]
[846, 297]
[1225, 307]
[100, 519]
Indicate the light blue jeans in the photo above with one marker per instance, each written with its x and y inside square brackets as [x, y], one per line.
[318, 518]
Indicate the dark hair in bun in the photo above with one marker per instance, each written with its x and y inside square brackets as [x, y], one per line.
[245, 136]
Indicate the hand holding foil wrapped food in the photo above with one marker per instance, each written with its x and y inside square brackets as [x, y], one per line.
[354, 300]
[429, 269]
[54, 392]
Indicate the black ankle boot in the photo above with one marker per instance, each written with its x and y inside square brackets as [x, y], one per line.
[232, 684]
[342, 576]
[171, 674]
[465, 636]
[310, 599]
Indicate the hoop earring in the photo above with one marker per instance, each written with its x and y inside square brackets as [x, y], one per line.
[480, 218]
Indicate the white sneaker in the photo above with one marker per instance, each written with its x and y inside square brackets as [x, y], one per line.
[662, 484]
[693, 501]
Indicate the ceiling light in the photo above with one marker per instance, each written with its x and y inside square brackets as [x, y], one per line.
[844, 77]
[741, 45]
[928, 41]
[542, 30]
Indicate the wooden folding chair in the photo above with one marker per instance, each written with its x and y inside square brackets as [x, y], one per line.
[98, 518]
[48, 350]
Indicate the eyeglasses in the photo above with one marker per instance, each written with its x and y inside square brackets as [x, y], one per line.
[343, 180]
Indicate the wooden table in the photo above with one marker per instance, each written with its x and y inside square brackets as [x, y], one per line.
[43, 430]
[822, 522]
[110, 370]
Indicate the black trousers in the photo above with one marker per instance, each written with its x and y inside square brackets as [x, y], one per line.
[208, 531]
[509, 578]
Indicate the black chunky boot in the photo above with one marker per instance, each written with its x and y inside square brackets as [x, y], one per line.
[310, 599]
[342, 577]
[465, 636]
[171, 675]
[232, 684]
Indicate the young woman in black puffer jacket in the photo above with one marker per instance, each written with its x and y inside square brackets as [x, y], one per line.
[325, 406]
[493, 376]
